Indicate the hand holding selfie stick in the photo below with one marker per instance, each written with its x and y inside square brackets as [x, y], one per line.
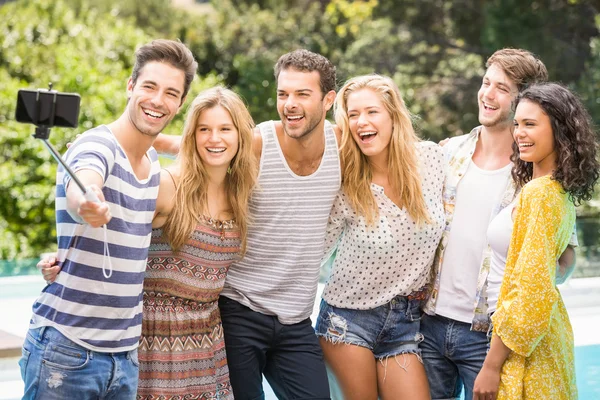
[46, 109]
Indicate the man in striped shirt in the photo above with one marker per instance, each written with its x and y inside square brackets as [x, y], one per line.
[85, 327]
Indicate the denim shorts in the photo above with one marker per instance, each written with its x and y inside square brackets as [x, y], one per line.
[388, 330]
[55, 368]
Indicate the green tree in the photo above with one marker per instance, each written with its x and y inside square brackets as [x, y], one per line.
[156, 17]
[457, 33]
[240, 43]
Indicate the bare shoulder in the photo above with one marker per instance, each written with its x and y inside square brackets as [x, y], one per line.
[257, 143]
[166, 190]
[338, 134]
[169, 176]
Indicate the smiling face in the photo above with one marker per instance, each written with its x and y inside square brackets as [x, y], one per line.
[217, 139]
[300, 103]
[155, 98]
[495, 98]
[370, 123]
[534, 136]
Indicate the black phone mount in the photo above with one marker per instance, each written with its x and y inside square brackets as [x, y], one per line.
[43, 132]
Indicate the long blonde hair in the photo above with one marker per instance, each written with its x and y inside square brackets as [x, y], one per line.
[403, 171]
[191, 192]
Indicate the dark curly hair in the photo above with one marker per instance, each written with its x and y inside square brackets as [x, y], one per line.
[577, 166]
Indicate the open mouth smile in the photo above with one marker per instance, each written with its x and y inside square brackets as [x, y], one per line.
[153, 114]
[488, 107]
[367, 136]
[215, 150]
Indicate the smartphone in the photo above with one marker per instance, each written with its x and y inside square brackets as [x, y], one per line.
[35, 107]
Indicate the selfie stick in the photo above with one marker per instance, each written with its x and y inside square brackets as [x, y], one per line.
[43, 132]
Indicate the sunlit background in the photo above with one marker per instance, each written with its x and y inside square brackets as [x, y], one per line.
[435, 50]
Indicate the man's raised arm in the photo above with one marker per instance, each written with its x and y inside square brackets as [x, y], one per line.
[167, 144]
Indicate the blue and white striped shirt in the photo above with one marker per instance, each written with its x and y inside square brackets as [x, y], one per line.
[101, 314]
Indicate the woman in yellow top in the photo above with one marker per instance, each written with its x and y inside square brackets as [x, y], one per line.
[531, 353]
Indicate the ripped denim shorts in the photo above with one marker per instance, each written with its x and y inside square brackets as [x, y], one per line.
[388, 330]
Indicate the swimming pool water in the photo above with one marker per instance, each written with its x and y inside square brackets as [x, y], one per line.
[587, 366]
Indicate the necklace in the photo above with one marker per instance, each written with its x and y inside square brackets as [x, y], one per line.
[219, 225]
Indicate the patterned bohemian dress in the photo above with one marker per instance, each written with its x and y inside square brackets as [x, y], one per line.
[182, 350]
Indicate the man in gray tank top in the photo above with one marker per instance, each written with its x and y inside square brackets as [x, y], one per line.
[269, 295]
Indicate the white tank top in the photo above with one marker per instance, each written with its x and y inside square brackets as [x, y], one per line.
[286, 237]
[498, 235]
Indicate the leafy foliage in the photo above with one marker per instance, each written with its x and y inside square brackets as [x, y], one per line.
[435, 50]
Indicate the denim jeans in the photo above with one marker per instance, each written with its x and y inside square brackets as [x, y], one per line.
[453, 355]
[54, 367]
[387, 330]
[289, 356]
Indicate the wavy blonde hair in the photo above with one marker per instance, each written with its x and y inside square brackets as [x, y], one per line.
[191, 191]
[403, 171]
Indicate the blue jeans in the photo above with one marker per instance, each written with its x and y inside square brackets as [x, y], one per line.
[54, 367]
[387, 330]
[453, 354]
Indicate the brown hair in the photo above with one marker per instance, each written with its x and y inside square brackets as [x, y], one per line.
[167, 51]
[521, 66]
[307, 61]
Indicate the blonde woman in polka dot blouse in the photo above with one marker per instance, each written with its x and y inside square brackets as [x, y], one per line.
[385, 226]
[531, 353]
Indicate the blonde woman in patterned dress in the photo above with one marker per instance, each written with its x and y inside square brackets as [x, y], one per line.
[201, 226]
[531, 353]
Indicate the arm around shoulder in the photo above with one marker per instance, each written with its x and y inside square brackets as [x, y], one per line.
[167, 144]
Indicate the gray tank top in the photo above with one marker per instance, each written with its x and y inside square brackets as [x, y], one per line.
[280, 271]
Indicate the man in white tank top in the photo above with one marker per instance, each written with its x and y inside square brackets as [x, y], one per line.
[269, 295]
[478, 186]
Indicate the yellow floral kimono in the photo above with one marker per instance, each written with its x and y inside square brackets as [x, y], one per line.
[531, 318]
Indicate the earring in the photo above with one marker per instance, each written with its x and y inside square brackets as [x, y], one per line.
[229, 170]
